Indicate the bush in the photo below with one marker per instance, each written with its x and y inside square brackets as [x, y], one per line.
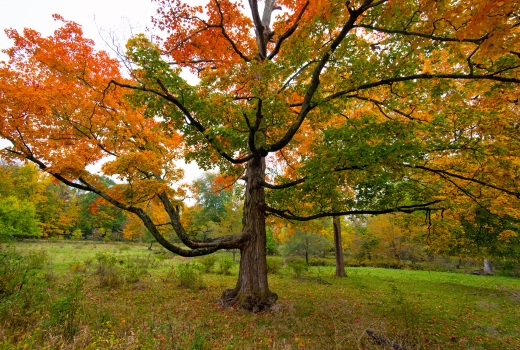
[225, 265]
[123, 247]
[274, 265]
[298, 267]
[143, 262]
[23, 292]
[37, 259]
[190, 275]
[76, 235]
[77, 267]
[13, 271]
[208, 262]
[108, 272]
[64, 311]
[321, 262]
[508, 268]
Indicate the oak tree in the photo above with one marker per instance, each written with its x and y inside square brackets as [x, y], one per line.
[323, 108]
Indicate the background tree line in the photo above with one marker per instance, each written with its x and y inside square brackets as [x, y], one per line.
[33, 205]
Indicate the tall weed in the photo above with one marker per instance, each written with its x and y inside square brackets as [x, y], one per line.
[64, 310]
[225, 265]
[190, 275]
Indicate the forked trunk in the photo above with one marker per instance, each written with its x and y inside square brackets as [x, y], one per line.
[252, 291]
[338, 248]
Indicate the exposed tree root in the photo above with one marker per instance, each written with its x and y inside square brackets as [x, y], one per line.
[248, 301]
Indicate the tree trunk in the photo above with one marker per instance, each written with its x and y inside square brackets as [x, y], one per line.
[487, 267]
[251, 291]
[338, 248]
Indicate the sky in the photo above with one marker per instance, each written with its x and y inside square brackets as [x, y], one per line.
[98, 17]
[101, 21]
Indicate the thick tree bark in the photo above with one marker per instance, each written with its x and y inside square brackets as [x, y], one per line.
[338, 248]
[251, 291]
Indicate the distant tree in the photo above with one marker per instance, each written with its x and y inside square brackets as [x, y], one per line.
[211, 197]
[306, 243]
[365, 243]
[397, 237]
[96, 214]
[55, 204]
[271, 245]
[18, 218]
[338, 248]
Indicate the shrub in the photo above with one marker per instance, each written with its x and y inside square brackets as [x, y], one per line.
[321, 262]
[137, 266]
[13, 271]
[274, 265]
[37, 259]
[508, 268]
[64, 311]
[143, 262]
[23, 292]
[123, 247]
[76, 235]
[77, 267]
[208, 262]
[163, 255]
[225, 265]
[298, 267]
[190, 276]
[108, 272]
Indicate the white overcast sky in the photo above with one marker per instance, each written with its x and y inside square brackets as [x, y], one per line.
[100, 20]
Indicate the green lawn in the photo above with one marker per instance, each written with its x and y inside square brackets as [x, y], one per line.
[69, 301]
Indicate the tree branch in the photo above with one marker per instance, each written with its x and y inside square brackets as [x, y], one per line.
[285, 185]
[227, 242]
[288, 33]
[315, 80]
[465, 178]
[191, 120]
[228, 38]
[422, 35]
[401, 209]
[390, 81]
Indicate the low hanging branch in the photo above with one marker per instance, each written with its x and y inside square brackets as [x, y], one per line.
[286, 214]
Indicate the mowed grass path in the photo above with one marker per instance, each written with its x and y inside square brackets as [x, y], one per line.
[419, 309]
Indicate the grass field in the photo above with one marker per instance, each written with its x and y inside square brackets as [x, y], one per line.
[84, 295]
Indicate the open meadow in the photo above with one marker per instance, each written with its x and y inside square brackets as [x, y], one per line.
[92, 295]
